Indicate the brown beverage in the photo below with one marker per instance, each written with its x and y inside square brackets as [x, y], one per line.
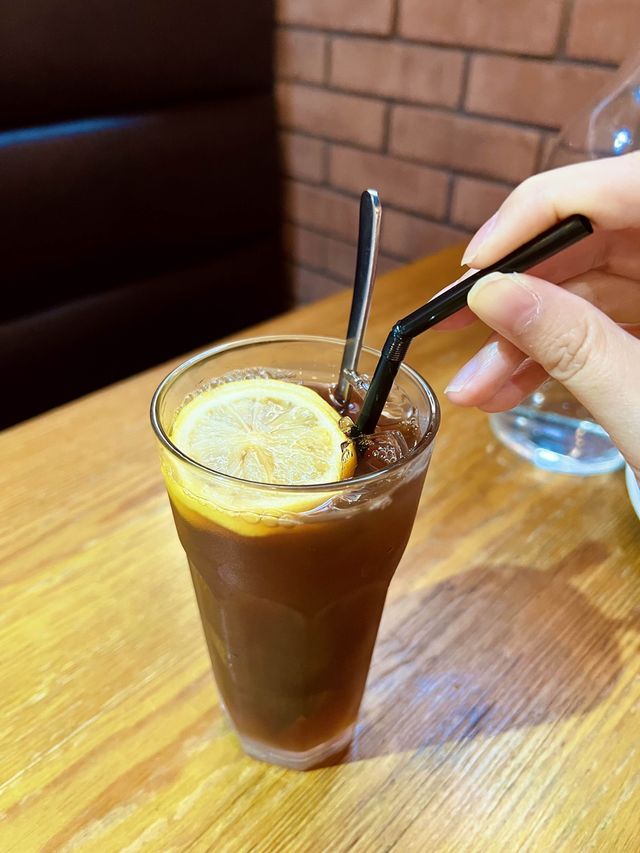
[291, 610]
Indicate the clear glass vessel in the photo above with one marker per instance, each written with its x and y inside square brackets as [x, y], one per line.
[291, 581]
[550, 428]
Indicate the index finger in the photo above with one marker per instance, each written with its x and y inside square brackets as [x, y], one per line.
[607, 191]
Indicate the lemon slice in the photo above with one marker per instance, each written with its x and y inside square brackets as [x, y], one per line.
[262, 430]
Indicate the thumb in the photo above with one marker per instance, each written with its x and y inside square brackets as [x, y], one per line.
[575, 343]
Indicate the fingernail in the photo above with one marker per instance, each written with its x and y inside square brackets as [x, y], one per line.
[473, 368]
[479, 238]
[504, 302]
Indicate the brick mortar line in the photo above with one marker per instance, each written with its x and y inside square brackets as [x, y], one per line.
[327, 59]
[508, 185]
[398, 102]
[534, 128]
[347, 282]
[466, 75]
[326, 164]
[412, 161]
[566, 18]
[498, 182]
[386, 130]
[391, 255]
[367, 96]
[395, 20]
[355, 197]
[387, 206]
[504, 183]
[350, 244]
[448, 208]
[464, 87]
[323, 183]
[452, 48]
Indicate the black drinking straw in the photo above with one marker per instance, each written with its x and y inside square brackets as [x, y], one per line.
[551, 241]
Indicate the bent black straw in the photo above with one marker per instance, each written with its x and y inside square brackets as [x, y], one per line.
[551, 241]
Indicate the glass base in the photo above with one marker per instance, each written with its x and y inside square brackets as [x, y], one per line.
[297, 760]
[556, 442]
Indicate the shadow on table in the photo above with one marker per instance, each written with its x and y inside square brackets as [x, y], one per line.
[489, 650]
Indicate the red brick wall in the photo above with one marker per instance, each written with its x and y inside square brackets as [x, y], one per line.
[443, 105]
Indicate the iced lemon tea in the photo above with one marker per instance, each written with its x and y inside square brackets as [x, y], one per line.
[291, 536]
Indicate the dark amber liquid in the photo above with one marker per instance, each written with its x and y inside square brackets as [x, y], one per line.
[291, 618]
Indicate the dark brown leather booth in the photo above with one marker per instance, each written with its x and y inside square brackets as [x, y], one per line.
[139, 193]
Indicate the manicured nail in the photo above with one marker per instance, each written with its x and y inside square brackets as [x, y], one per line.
[504, 302]
[477, 241]
[473, 368]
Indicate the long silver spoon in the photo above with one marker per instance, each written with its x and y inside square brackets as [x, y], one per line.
[366, 259]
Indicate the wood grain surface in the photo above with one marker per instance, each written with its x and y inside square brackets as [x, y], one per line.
[502, 711]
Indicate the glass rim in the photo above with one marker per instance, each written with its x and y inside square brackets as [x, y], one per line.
[158, 396]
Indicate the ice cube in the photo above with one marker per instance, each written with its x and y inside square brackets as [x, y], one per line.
[398, 407]
[384, 448]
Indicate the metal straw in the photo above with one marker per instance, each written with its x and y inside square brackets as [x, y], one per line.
[366, 258]
[551, 241]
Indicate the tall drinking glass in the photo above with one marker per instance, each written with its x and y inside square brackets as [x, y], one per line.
[291, 581]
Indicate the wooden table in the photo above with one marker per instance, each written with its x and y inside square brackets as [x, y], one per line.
[503, 706]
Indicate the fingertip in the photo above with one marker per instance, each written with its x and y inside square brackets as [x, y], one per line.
[505, 301]
[478, 242]
[459, 398]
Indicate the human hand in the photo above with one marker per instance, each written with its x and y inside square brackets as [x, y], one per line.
[584, 333]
